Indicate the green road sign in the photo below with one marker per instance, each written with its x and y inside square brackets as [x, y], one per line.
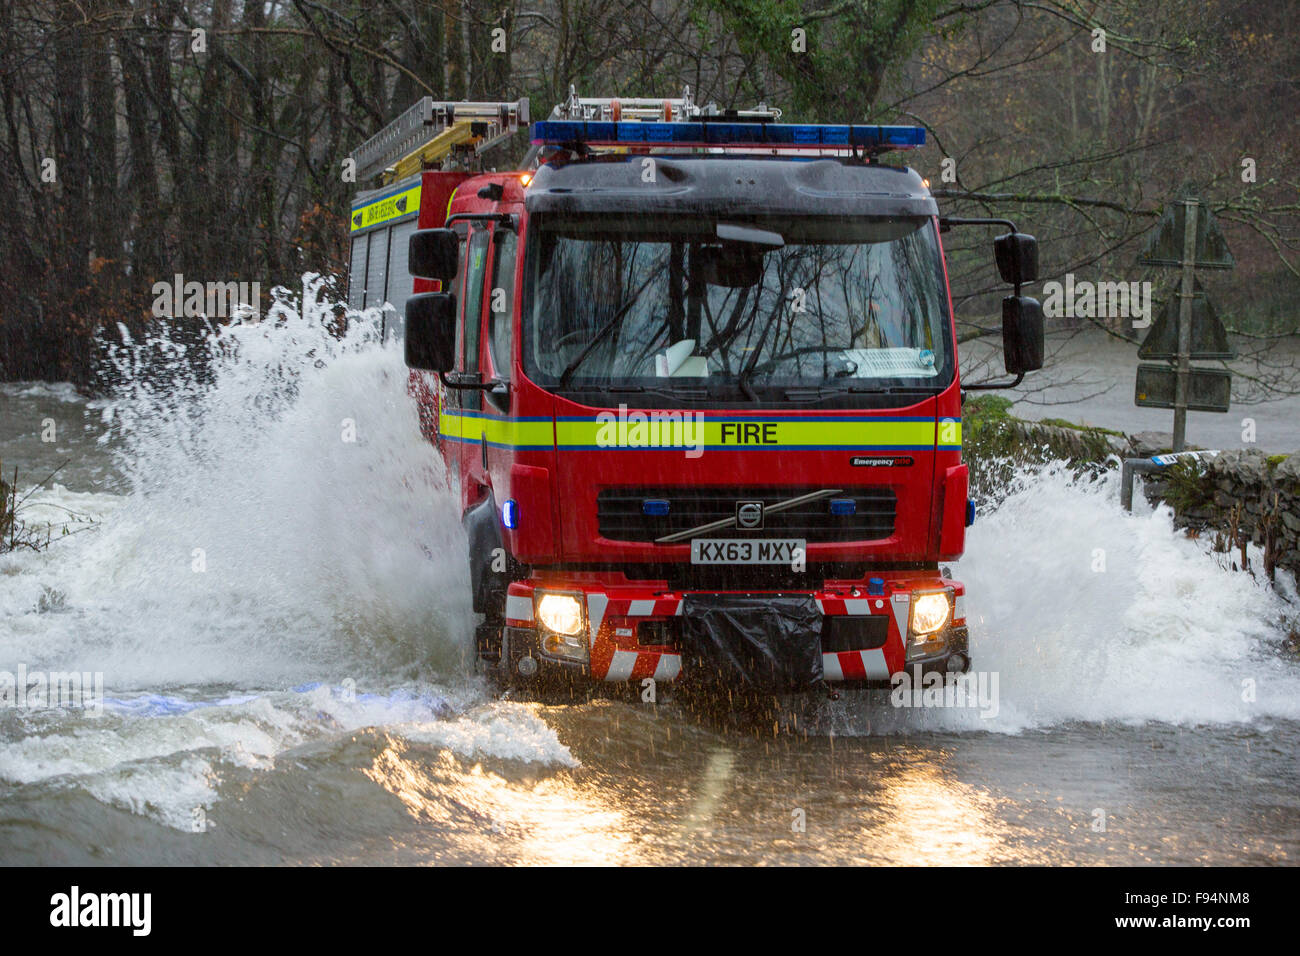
[1208, 389]
[1165, 245]
[1209, 338]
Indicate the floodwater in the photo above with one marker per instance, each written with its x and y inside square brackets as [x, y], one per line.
[1090, 378]
[267, 578]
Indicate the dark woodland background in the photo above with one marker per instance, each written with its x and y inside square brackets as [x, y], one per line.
[226, 164]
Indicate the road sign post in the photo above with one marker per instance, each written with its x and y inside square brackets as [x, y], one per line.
[1185, 328]
[1198, 334]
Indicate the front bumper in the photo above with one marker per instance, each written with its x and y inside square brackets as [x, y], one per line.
[631, 632]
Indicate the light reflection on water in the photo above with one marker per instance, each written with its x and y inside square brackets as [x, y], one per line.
[659, 791]
[550, 821]
[928, 817]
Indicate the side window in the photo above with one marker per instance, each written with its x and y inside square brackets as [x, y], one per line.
[457, 285]
[472, 313]
[501, 305]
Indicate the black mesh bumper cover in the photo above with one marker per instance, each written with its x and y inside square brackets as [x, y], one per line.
[769, 642]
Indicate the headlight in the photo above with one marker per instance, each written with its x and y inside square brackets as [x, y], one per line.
[929, 612]
[560, 613]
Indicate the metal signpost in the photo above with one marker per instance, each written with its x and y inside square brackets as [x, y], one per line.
[1200, 335]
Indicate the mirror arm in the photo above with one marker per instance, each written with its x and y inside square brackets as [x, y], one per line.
[501, 218]
[947, 222]
[496, 385]
[990, 386]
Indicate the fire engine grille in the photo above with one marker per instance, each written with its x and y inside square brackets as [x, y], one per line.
[644, 514]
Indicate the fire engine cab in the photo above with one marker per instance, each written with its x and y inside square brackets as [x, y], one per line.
[694, 377]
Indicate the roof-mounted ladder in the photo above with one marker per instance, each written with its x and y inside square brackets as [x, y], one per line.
[681, 109]
[432, 130]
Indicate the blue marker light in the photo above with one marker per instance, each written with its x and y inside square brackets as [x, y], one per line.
[970, 513]
[843, 506]
[790, 135]
[876, 586]
[510, 514]
[655, 507]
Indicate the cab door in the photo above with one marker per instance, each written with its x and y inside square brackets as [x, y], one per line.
[498, 333]
[498, 345]
[470, 306]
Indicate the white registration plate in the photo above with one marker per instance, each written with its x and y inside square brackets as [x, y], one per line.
[747, 550]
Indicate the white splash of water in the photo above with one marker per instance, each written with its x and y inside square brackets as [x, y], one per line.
[1086, 613]
[1090, 613]
[285, 521]
[165, 756]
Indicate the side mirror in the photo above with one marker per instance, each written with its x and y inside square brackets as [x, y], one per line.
[434, 254]
[1022, 334]
[1017, 257]
[431, 331]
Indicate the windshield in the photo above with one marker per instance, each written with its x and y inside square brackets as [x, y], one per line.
[744, 305]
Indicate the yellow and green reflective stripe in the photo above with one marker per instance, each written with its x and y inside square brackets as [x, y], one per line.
[681, 429]
[747, 434]
[508, 432]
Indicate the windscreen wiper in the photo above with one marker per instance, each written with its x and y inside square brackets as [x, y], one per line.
[601, 334]
[812, 392]
[677, 392]
[743, 378]
[743, 382]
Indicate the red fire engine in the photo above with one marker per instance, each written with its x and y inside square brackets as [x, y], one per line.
[694, 376]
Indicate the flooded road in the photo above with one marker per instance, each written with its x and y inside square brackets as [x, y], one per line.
[636, 787]
[277, 615]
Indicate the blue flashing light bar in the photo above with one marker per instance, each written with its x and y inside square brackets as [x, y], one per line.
[722, 134]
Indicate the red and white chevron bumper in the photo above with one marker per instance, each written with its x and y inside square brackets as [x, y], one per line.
[621, 647]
